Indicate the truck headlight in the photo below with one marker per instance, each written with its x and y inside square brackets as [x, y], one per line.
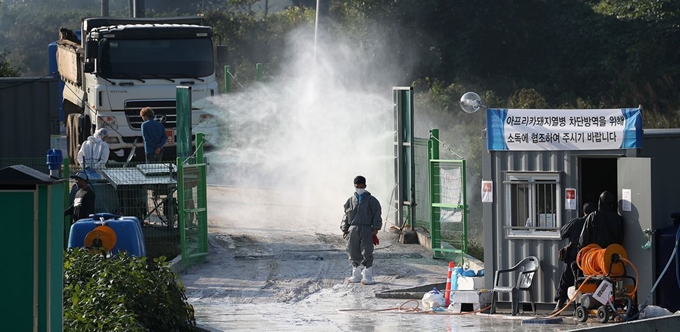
[207, 120]
[107, 122]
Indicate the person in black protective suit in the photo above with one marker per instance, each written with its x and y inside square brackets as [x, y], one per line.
[572, 231]
[604, 226]
[360, 226]
[83, 203]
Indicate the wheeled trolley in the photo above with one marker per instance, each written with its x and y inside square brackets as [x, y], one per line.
[621, 305]
[606, 291]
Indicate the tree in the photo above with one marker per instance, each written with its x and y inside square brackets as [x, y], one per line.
[6, 69]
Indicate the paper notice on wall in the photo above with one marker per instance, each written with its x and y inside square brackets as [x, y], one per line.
[625, 200]
[487, 191]
[570, 199]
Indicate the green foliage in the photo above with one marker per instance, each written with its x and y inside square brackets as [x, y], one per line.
[253, 38]
[528, 98]
[6, 69]
[122, 293]
[27, 27]
[654, 10]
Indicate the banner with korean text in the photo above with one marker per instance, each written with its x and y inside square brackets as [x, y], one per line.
[568, 129]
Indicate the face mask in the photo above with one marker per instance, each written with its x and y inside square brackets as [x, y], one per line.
[360, 191]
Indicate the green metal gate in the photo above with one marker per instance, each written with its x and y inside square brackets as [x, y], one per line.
[448, 207]
[422, 167]
[192, 202]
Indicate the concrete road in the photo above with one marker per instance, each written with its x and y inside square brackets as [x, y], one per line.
[278, 264]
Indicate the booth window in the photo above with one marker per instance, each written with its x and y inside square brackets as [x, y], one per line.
[532, 204]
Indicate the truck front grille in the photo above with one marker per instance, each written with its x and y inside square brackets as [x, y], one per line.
[164, 110]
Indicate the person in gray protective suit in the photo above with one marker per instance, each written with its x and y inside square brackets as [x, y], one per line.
[360, 227]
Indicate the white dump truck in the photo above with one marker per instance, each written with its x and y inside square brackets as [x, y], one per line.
[114, 67]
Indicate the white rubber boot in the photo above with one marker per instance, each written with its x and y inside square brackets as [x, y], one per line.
[367, 276]
[356, 274]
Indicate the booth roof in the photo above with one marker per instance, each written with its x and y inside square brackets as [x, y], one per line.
[24, 175]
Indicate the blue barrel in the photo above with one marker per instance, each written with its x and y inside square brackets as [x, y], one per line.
[667, 292]
[128, 233]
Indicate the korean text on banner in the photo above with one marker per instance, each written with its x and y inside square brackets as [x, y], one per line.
[534, 129]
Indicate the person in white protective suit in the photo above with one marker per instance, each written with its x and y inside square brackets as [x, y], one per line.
[94, 152]
[360, 227]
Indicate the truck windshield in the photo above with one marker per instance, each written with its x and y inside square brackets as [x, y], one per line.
[167, 58]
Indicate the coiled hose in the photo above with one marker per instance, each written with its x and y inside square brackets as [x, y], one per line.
[595, 261]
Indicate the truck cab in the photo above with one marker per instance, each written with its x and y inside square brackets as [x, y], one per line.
[125, 64]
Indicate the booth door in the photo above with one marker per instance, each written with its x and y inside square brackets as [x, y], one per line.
[635, 205]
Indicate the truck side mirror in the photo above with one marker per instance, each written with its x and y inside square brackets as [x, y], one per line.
[222, 54]
[88, 66]
[91, 48]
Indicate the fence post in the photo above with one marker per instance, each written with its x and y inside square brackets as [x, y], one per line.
[201, 198]
[67, 200]
[435, 227]
[181, 223]
[465, 209]
[259, 70]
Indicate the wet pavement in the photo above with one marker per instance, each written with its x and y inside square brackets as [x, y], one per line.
[323, 311]
[277, 274]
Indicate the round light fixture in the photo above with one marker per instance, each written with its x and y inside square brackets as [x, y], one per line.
[471, 102]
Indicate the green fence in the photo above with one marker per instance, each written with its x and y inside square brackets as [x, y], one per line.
[192, 196]
[448, 225]
[441, 206]
[422, 218]
[145, 191]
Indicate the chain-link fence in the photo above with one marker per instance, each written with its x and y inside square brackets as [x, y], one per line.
[145, 191]
[193, 218]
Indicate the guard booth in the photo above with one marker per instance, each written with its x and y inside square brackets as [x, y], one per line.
[541, 166]
[32, 246]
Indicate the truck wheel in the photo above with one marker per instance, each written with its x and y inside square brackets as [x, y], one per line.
[84, 127]
[71, 137]
[78, 128]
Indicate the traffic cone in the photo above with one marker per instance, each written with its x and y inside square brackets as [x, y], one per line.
[447, 293]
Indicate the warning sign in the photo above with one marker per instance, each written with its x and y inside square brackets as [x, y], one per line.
[570, 199]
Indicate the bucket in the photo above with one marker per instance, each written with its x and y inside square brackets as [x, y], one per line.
[128, 233]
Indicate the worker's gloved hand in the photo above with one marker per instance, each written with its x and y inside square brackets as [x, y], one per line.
[345, 234]
[375, 240]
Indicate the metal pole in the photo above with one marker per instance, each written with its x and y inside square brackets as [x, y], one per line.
[320, 21]
[201, 198]
[259, 69]
[227, 79]
[138, 8]
[465, 209]
[435, 227]
[183, 97]
[181, 224]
